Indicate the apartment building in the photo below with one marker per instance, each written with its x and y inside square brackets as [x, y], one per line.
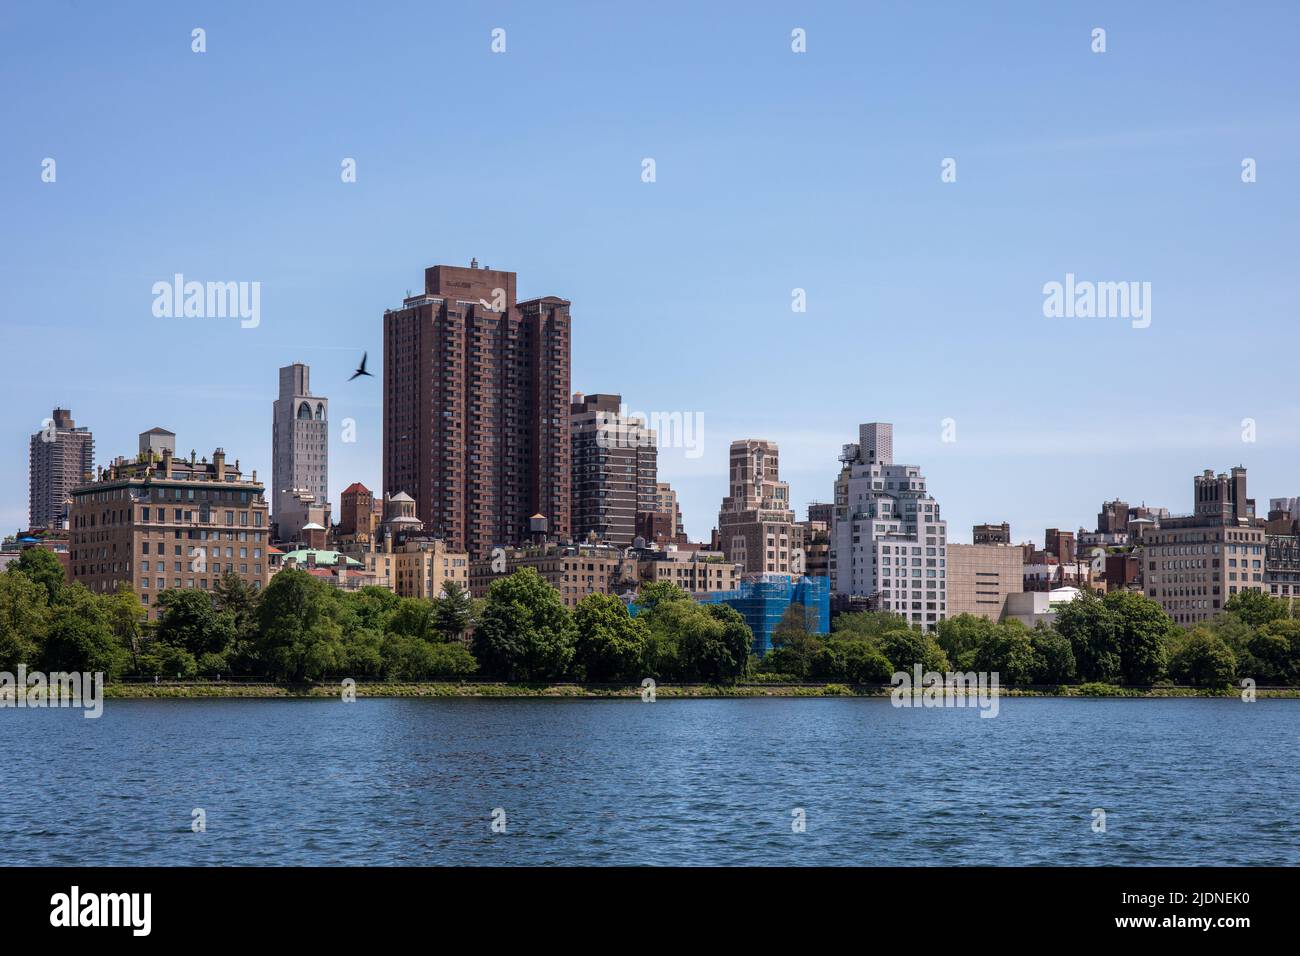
[756, 525]
[476, 408]
[615, 469]
[155, 523]
[889, 541]
[1192, 564]
[61, 456]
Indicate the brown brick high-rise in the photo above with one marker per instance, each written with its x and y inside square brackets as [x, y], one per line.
[476, 408]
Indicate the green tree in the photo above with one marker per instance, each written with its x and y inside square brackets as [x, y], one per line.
[1203, 660]
[1007, 652]
[237, 599]
[453, 612]
[24, 619]
[126, 616]
[609, 644]
[1053, 657]
[1256, 608]
[189, 620]
[525, 632]
[80, 638]
[960, 637]
[299, 638]
[851, 661]
[906, 648]
[43, 567]
[868, 625]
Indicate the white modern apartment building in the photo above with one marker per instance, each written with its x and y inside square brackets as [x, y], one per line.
[888, 541]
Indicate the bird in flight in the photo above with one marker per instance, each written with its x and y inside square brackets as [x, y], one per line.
[362, 369]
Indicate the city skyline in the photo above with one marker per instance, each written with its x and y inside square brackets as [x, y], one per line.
[776, 171]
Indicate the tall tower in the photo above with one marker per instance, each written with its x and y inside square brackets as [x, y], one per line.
[62, 456]
[299, 441]
[615, 468]
[756, 523]
[476, 408]
[888, 541]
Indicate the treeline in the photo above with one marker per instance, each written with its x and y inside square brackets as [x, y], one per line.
[299, 628]
[1122, 638]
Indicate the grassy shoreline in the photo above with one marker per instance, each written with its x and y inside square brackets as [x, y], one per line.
[237, 690]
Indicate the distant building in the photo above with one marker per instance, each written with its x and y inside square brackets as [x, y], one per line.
[356, 513]
[299, 445]
[61, 457]
[889, 541]
[992, 533]
[1061, 544]
[756, 525]
[573, 570]
[764, 599]
[1192, 564]
[981, 577]
[476, 408]
[615, 469]
[332, 567]
[422, 566]
[168, 523]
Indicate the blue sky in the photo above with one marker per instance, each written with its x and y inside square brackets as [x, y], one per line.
[775, 171]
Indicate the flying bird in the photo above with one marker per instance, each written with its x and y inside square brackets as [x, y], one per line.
[362, 369]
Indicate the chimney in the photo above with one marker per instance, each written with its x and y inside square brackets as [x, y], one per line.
[167, 462]
[219, 464]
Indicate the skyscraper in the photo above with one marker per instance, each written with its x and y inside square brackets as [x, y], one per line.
[62, 456]
[888, 541]
[615, 468]
[476, 408]
[756, 525]
[299, 442]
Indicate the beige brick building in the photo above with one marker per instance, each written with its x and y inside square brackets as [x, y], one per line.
[980, 576]
[159, 522]
[1193, 564]
[573, 570]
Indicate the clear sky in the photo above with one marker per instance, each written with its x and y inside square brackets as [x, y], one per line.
[774, 171]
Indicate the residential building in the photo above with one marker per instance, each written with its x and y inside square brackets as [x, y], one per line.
[696, 572]
[61, 457]
[574, 570]
[476, 408]
[889, 541]
[981, 577]
[615, 469]
[421, 566]
[1192, 564]
[299, 448]
[159, 523]
[756, 525]
[357, 513]
[992, 533]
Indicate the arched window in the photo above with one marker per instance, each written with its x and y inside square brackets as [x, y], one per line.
[320, 411]
[304, 412]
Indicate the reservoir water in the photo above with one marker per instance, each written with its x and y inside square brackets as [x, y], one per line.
[681, 782]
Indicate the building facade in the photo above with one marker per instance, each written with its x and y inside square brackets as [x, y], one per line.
[981, 576]
[615, 469]
[476, 408]
[573, 570]
[1192, 564]
[991, 533]
[756, 524]
[889, 541]
[61, 457]
[168, 523]
[299, 444]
